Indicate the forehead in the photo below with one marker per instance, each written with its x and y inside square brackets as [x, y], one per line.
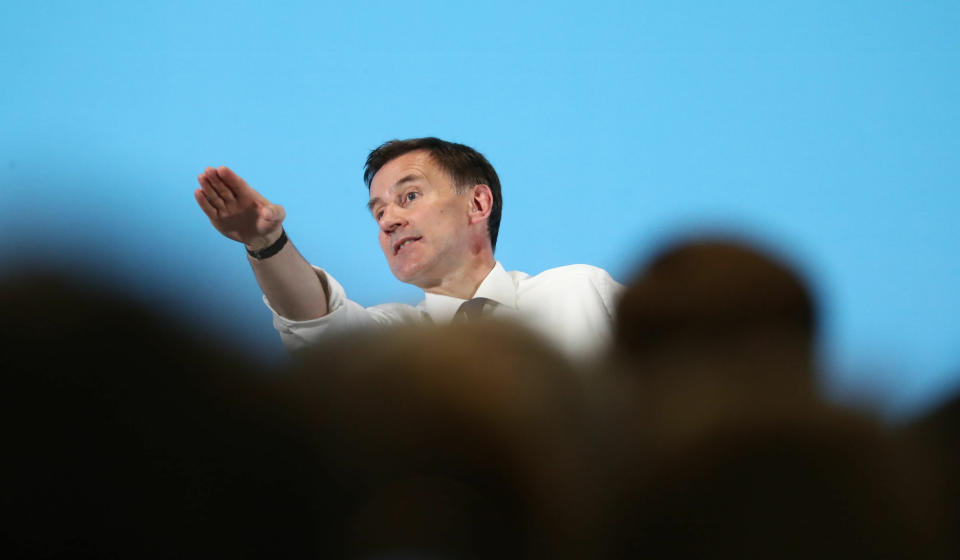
[417, 164]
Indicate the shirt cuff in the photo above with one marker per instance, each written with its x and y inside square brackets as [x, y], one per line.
[299, 334]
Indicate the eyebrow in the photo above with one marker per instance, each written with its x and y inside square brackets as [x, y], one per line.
[407, 179]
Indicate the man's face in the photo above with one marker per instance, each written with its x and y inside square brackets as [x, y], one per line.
[422, 221]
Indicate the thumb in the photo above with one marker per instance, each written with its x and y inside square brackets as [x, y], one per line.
[273, 213]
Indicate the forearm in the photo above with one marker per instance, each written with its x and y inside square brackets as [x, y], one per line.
[290, 284]
[240, 213]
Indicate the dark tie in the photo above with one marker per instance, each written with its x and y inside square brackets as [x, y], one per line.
[471, 309]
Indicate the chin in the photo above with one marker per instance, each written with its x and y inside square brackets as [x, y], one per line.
[417, 271]
[406, 275]
[402, 278]
[413, 276]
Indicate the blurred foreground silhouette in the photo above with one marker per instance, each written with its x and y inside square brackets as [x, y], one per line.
[700, 435]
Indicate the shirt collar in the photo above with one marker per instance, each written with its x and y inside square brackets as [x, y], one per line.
[497, 286]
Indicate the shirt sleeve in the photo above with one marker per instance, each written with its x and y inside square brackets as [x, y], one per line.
[344, 316]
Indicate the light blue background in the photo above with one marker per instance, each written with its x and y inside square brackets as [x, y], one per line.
[825, 131]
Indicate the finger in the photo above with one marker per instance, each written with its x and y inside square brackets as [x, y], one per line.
[236, 184]
[218, 185]
[212, 201]
[210, 193]
[205, 205]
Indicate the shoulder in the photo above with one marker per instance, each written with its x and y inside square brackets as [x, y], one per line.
[574, 305]
[577, 273]
[578, 280]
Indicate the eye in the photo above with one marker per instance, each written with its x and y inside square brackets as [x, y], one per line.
[410, 196]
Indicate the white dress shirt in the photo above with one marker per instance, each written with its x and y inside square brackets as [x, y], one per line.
[570, 306]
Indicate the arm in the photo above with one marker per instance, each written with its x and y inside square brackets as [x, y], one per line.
[240, 213]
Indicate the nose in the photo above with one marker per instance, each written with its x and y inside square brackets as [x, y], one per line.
[391, 219]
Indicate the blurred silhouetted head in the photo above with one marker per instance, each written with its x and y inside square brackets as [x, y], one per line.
[717, 302]
[128, 436]
[938, 431]
[449, 442]
[767, 481]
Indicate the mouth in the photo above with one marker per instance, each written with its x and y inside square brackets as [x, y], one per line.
[403, 243]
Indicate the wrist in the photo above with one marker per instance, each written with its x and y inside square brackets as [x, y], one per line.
[270, 249]
[261, 243]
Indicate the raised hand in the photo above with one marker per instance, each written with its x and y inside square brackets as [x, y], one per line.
[236, 210]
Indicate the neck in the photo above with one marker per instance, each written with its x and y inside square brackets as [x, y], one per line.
[463, 282]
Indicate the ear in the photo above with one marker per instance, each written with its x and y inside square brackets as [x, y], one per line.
[481, 203]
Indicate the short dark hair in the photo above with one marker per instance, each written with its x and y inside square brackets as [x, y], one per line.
[465, 165]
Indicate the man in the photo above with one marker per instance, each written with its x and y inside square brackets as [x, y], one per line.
[437, 205]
